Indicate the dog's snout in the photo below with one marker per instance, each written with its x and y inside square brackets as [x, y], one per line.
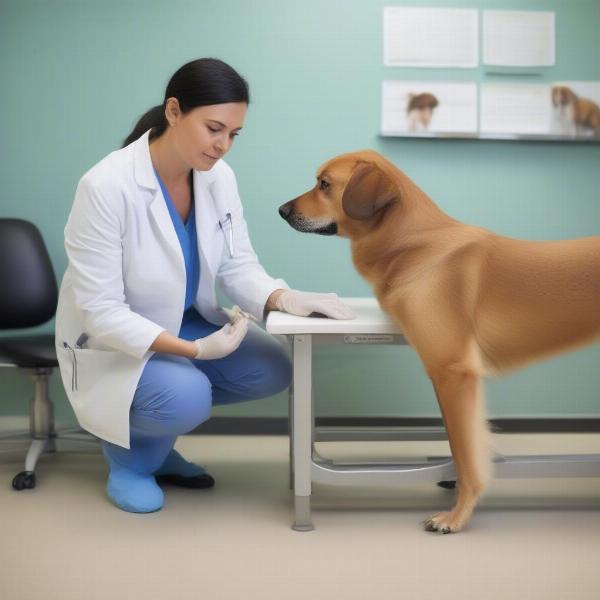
[286, 209]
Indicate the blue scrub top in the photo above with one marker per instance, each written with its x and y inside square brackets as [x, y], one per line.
[186, 233]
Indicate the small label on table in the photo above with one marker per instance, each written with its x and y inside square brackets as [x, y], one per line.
[368, 339]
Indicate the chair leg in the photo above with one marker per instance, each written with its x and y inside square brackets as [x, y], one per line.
[41, 429]
[42, 432]
[41, 414]
[26, 479]
[37, 448]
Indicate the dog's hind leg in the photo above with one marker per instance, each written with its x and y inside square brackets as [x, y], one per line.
[459, 391]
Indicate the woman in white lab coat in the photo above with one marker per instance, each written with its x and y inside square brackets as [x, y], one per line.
[143, 347]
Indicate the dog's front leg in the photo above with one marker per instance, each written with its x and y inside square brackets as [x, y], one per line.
[459, 393]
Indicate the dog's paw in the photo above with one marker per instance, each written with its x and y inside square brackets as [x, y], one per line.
[445, 522]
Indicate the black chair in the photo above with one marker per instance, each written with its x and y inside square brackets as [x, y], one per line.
[28, 298]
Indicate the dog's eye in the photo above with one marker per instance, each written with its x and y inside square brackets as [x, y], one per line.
[323, 185]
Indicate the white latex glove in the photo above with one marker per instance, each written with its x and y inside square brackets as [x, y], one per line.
[305, 303]
[236, 313]
[223, 342]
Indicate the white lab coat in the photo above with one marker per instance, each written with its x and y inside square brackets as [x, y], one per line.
[125, 281]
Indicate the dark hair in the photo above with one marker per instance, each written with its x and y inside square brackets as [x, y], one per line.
[201, 82]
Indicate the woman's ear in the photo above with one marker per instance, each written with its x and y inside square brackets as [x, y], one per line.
[368, 191]
[172, 111]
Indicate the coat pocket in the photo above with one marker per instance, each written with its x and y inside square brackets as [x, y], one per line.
[88, 366]
[89, 374]
[100, 385]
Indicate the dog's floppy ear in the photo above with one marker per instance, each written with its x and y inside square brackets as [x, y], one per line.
[368, 190]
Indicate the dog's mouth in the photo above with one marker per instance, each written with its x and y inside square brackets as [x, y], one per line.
[304, 225]
[330, 229]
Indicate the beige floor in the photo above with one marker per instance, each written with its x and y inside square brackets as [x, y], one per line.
[64, 540]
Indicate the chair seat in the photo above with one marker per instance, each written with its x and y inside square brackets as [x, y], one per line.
[31, 351]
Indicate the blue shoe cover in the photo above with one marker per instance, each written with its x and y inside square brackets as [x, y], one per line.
[132, 491]
[175, 464]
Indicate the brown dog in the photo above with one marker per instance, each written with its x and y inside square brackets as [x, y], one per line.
[576, 114]
[470, 302]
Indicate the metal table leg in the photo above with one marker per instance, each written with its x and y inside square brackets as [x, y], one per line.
[302, 427]
[291, 419]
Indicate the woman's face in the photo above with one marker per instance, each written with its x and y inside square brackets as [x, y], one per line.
[205, 134]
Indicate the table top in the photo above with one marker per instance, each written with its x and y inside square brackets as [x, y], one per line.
[369, 319]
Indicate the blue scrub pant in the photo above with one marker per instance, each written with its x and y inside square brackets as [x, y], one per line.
[175, 394]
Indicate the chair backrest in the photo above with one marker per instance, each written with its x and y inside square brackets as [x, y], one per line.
[28, 290]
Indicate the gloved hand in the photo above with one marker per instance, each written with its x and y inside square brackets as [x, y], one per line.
[223, 342]
[305, 303]
[236, 313]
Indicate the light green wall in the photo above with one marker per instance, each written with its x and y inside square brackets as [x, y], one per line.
[76, 75]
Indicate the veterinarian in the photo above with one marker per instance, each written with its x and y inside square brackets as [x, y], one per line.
[144, 348]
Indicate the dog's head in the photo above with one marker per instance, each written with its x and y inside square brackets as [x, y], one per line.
[561, 95]
[350, 195]
[422, 105]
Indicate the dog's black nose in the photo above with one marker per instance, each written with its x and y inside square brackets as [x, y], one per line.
[286, 209]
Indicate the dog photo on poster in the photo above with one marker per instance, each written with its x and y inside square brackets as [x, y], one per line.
[428, 107]
[568, 109]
